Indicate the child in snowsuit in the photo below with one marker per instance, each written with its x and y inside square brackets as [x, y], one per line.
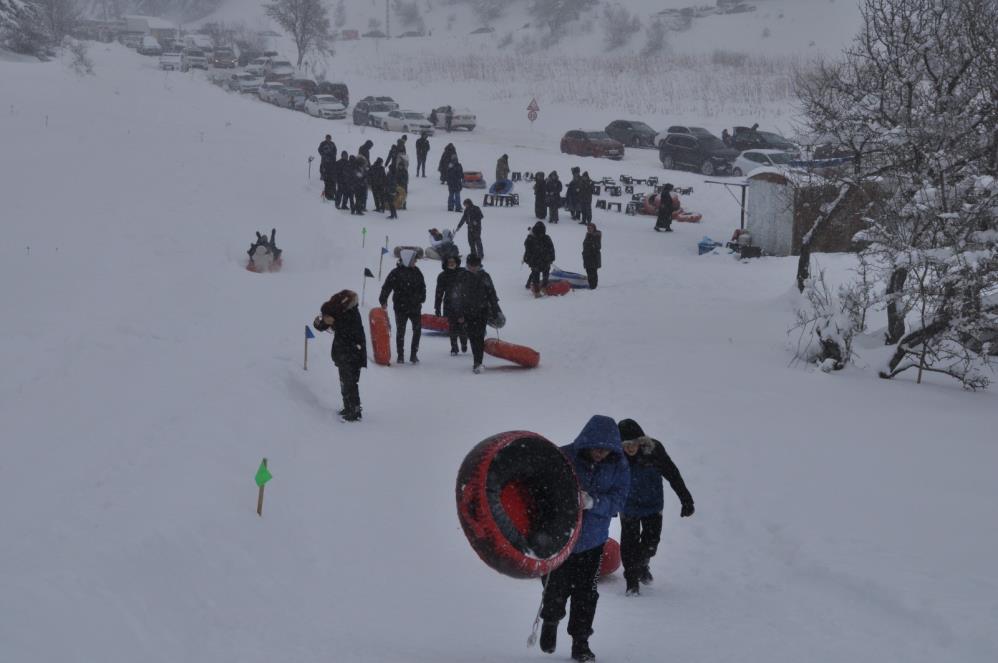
[349, 352]
[604, 477]
[406, 281]
[641, 517]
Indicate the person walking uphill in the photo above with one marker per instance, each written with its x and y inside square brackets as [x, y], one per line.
[406, 281]
[538, 253]
[448, 295]
[540, 196]
[641, 517]
[349, 352]
[422, 149]
[592, 254]
[604, 477]
[455, 182]
[473, 217]
[663, 223]
[477, 303]
[553, 187]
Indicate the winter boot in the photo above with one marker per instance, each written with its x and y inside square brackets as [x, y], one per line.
[352, 415]
[549, 637]
[646, 577]
[413, 359]
[476, 369]
[400, 356]
[633, 588]
[581, 651]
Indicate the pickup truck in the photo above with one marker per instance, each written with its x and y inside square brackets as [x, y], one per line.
[171, 60]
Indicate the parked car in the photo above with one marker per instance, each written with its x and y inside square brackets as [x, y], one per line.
[326, 106]
[247, 55]
[461, 118]
[172, 61]
[277, 70]
[257, 66]
[306, 85]
[223, 58]
[149, 46]
[407, 121]
[631, 133]
[706, 154]
[194, 59]
[682, 129]
[338, 90]
[362, 111]
[745, 138]
[384, 100]
[267, 91]
[749, 160]
[243, 82]
[290, 97]
[592, 144]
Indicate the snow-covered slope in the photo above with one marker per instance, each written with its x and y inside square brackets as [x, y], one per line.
[145, 373]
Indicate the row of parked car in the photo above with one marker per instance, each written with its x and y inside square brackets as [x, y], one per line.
[384, 113]
[688, 147]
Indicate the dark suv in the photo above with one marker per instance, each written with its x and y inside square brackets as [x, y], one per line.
[338, 90]
[706, 154]
[746, 138]
[363, 109]
[631, 133]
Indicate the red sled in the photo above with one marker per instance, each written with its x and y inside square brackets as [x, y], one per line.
[520, 355]
[435, 324]
[381, 333]
[558, 288]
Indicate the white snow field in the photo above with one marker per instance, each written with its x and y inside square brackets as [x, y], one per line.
[146, 373]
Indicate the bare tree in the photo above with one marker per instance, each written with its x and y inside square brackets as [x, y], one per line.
[914, 102]
[619, 25]
[340, 15]
[306, 21]
[655, 42]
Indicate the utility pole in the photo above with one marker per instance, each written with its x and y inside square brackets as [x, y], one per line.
[388, 20]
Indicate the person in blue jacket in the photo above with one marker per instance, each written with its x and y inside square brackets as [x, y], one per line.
[604, 478]
[641, 517]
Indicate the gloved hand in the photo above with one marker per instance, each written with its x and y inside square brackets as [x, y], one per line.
[587, 500]
[317, 322]
[687, 510]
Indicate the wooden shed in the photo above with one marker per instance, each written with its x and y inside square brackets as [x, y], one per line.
[782, 207]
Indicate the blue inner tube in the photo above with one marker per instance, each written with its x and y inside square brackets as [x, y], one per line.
[502, 188]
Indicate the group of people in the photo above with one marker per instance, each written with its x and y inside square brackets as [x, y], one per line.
[578, 196]
[620, 471]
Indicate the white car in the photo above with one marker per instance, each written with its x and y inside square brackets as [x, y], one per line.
[171, 60]
[257, 66]
[461, 118]
[405, 120]
[327, 106]
[243, 82]
[749, 160]
[277, 69]
[268, 91]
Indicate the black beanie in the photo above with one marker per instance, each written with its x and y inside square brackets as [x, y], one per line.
[629, 430]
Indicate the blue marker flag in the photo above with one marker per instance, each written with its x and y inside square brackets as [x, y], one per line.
[308, 332]
[384, 250]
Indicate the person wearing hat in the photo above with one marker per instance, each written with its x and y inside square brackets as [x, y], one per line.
[641, 517]
[447, 295]
[540, 196]
[502, 168]
[572, 195]
[455, 182]
[538, 253]
[422, 149]
[592, 254]
[476, 305]
[553, 188]
[604, 477]
[406, 281]
[585, 199]
[663, 223]
[473, 217]
[340, 316]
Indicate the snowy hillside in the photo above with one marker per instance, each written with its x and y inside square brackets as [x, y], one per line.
[146, 373]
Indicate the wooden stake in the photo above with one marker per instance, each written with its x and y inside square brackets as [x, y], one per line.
[259, 500]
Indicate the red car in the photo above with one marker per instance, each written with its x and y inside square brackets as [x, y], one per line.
[592, 144]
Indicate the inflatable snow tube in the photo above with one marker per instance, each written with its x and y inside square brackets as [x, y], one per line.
[557, 288]
[610, 561]
[501, 188]
[434, 324]
[518, 503]
[381, 333]
[518, 354]
[474, 179]
[686, 217]
[573, 279]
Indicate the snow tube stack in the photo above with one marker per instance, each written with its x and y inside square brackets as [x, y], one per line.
[518, 503]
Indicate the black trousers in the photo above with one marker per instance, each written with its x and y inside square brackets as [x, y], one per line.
[553, 213]
[401, 318]
[639, 538]
[593, 277]
[378, 195]
[576, 580]
[457, 331]
[350, 386]
[587, 213]
[540, 207]
[329, 191]
[420, 165]
[538, 278]
[475, 245]
[476, 336]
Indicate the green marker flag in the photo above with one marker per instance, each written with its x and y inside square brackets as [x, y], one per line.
[263, 475]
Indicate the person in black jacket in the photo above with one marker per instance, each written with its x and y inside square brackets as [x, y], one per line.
[538, 253]
[586, 198]
[641, 517]
[391, 191]
[592, 254]
[663, 223]
[356, 185]
[572, 195]
[477, 303]
[445, 159]
[378, 182]
[422, 149]
[365, 150]
[448, 295]
[327, 157]
[553, 188]
[455, 182]
[349, 352]
[343, 181]
[406, 281]
[473, 217]
[540, 196]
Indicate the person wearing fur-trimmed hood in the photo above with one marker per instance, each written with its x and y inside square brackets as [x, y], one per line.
[604, 478]
[409, 288]
[340, 316]
[641, 517]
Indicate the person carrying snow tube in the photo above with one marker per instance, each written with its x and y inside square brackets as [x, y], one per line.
[641, 517]
[406, 281]
[604, 478]
[448, 296]
[340, 316]
[538, 253]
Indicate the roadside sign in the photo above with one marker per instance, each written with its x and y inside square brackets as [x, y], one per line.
[533, 107]
[532, 115]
